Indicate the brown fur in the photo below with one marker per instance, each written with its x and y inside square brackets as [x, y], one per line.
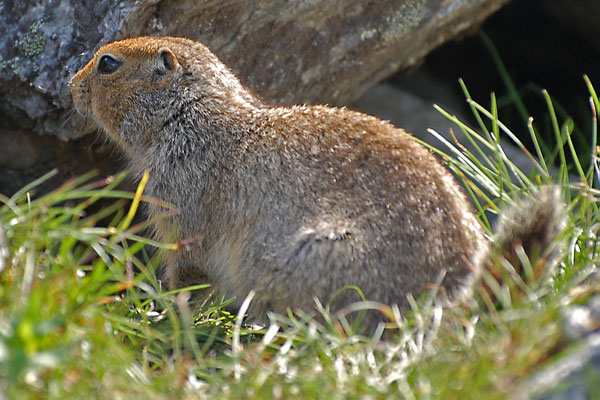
[292, 202]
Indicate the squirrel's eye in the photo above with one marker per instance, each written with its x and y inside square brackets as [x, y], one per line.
[108, 65]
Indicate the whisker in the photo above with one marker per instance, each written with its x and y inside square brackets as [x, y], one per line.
[69, 116]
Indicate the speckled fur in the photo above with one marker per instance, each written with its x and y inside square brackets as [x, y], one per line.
[292, 202]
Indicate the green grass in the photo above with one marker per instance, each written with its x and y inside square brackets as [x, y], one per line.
[82, 314]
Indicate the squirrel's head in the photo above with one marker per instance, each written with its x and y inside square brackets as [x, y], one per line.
[136, 88]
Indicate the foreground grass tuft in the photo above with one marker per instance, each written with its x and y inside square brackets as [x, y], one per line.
[83, 315]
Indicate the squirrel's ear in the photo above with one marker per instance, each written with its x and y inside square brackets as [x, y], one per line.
[166, 62]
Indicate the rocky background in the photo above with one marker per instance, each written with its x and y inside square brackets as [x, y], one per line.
[330, 51]
[327, 51]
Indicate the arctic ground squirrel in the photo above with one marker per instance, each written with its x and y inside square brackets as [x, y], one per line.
[294, 202]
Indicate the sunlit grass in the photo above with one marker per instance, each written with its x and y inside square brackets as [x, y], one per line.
[83, 314]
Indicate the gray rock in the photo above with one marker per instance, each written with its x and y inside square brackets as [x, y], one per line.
[579, 321]
[575, 376]
[289, 52]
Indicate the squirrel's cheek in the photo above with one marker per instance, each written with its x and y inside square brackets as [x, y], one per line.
[80, 103]
[104, 112]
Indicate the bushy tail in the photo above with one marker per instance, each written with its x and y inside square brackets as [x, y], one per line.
[526, 249]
